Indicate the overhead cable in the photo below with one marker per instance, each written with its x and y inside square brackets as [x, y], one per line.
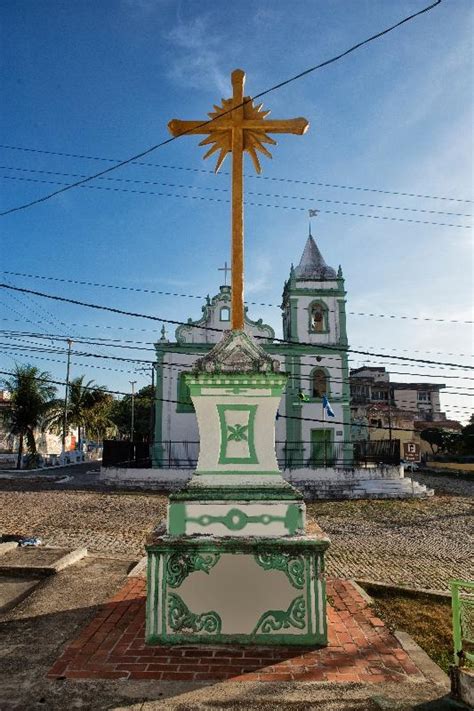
[206, 171]
[281, 84]
[190, 325]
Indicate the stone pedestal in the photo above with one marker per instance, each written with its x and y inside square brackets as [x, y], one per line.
[234, 564]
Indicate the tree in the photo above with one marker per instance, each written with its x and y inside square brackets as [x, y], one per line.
[443, 440]
[466, 438]
[100, 424]
[31, 396]
[83, 408]
[122, 414]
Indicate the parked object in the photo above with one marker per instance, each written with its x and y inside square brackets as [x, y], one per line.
[21, 540]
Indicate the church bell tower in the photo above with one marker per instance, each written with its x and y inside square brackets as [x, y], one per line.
[314, 301]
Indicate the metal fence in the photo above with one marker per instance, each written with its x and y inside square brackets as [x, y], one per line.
[123, 453]
[462, 595]
[290, 455]
[383, 451]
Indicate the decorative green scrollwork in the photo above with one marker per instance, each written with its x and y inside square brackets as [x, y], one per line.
[237, 432]
[292, 565]
[276, 620]
[236, 520]
[180, 565]
[181, 619]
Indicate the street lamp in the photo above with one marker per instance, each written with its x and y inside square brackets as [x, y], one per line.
[66, 396]
[132, 426]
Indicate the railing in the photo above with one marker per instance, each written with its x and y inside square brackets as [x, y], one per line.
[383, 451]
[462, 595]
[290, 455]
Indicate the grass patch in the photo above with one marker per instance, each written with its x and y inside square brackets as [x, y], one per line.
[426, 618]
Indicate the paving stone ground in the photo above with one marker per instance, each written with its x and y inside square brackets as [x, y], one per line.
[420, 543]
[360, 649]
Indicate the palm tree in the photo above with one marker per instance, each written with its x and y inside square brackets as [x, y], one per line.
[83, 400]
[31, 395]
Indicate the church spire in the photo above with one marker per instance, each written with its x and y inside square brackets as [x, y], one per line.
[312, 264]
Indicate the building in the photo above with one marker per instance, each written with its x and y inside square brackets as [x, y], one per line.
[382, 409]
[312, 352]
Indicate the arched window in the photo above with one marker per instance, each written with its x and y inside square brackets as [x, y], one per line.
[320, 383]
[318, 318]
[225, 313]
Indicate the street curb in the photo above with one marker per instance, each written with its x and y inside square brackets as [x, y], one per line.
[138, 570]
[422, 660]
[404, 588]
[51, 469]
[363, 593]
[45, 570]
[19, 598]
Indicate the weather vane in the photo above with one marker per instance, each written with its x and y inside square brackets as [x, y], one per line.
[238, 126]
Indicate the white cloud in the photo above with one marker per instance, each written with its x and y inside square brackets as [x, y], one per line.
[197, 55]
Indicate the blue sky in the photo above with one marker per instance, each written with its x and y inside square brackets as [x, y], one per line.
[103, 80]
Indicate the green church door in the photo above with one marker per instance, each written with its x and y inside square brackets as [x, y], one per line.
[322, 450]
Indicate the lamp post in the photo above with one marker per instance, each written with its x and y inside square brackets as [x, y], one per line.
[66, 396]
[132, 425]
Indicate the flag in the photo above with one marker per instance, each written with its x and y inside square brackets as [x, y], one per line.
[327, 407]
[303, 397]
[313, 213]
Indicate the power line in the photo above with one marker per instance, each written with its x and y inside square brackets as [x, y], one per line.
[118, 341]
[196, 296]
[180, 402]
[205, 123]
[227, 190]
[180, 367]
[312, 183]
[227, 201]
[164, 377]
[54, 337]
[190, 325]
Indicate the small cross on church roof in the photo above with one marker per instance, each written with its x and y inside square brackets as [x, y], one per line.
[224, 269]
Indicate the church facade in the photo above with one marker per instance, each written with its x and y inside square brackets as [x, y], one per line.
[313, 353]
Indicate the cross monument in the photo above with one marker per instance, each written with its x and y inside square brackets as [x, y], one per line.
[235, 564]
[238, 126]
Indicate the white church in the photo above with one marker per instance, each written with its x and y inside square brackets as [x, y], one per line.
[313, 354]
[313, 447]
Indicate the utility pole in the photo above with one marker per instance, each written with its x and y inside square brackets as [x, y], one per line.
[132, 426]
[153, 405]
[66, 395]
[390, 413]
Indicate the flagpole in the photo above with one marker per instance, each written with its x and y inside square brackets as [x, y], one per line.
[324, 432]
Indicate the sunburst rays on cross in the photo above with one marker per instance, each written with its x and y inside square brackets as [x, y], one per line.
[253, 139]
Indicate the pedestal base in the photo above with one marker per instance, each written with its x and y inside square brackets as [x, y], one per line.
[231, 590]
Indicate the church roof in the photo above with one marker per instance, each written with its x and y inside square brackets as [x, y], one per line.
[312, 264]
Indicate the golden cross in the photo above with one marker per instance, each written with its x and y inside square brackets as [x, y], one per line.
[238, 126]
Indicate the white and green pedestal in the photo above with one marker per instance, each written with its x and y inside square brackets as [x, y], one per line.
[235, 564]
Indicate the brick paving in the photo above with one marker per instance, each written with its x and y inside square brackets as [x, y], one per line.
[361, 649]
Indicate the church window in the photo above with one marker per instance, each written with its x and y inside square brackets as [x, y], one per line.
[318, 318]
[320, 383]
[225, 313]
[185, 403]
